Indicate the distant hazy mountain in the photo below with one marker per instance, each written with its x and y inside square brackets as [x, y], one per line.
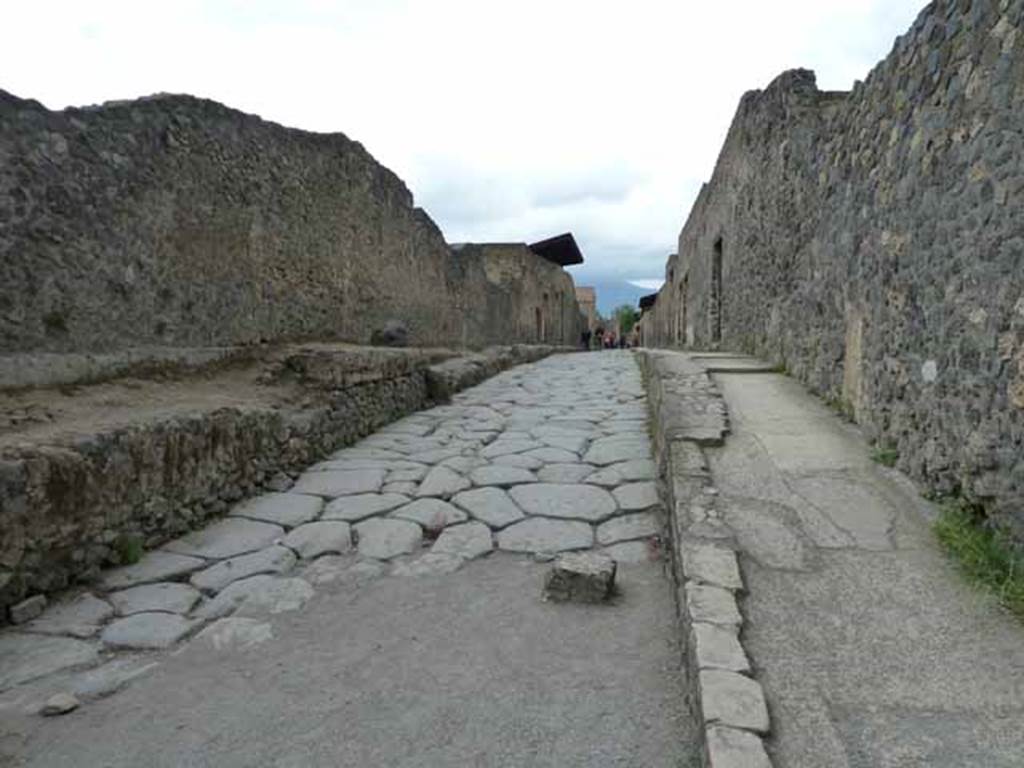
[613, 292]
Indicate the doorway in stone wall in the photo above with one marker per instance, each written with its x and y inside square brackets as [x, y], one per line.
[715, 308]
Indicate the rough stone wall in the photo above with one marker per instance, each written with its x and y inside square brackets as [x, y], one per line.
[177, 222]
[872, 242]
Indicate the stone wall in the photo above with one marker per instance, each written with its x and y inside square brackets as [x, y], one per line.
[177, 222]
[872, 242]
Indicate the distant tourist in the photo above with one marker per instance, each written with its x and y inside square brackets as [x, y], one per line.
[585, 339]
[599, 336]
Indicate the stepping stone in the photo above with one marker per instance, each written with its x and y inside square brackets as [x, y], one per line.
[581, 577]
[235, 633]
[442, 481]
[333, 483]
[496, 474]
[581, 502]
[168, 597]
[543, 535]
[314, 539]
[432, 514]
[153, 567]
[385, 539]
[227, 538]
[518, 460]
[490, 505]
[468, 541]
[275, 559]
[429, 564]
[637, 496]
[148, 631]
[81, 617]
[553, 455]
[258, 595]
[627, 527]
[25, 657]
[609, 450]
[632, 552]
[285, 509]
[565, 473]
[503, 446]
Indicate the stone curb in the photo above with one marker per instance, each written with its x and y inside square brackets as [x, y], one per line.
[687, 413]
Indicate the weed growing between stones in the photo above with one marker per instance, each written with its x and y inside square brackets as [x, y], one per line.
[841, 406]
[985, 555]
[129, 549]
[887, 456]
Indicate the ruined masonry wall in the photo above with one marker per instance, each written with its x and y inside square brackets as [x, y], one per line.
[873, 244]
[177, 222]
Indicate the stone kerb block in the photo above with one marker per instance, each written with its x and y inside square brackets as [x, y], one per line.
[582, 577]
[731, 748]
[708, 564]
[733, 700]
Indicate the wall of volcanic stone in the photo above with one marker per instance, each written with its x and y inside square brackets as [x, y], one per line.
[873, 243]
[177, 222]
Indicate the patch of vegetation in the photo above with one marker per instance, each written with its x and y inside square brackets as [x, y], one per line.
[986, 555]
[781, 368]
[129, 549]
[886, 455]
[840, 405]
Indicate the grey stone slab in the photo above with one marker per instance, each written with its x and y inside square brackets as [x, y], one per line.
[581, 502]
[429, 564]
[153, 567]
[284, 509]
[610, 450]
[641, 525]
[26, 657]
[275, 559]
[442, 482]
[27, 609]
[385, 539]
[235, 633]
[717, 647]
[581, 577]
[463, 464]
[733, 700]
[431, 514]
[331, 568]
[148, 631]
[351, 465]
[608, 477]
[709, 564]
[518, 460]
[492, 506]
[551, 455]
[497, 474]
[367, 452]
[80, 617]
[636, 469]
[333, 483]
[403, 488]
[314, 539]
[468, 541]
[632, 552]
[110, 677]
[503, 446]
[712, 605]
[545, 535]
[59, 704]
[257, 596]
[572, 444]
[435, 455]
[226, 538]
[732, 748]
[361, 506]
[637, 496]
[407, 475]
[168, 597]
[565, 473]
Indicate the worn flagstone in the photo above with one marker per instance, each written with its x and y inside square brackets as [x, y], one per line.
[274, 559]
[492, 506]
[153, 567]
[25, 657]
[226, 538]
[581, 502]
[538, 534]
[333, 483]
[384, 539]
[468, 541]
[432, 514]
[284, 509]
[81, 617]
[169, 597]
[314, 539]
[148, 631]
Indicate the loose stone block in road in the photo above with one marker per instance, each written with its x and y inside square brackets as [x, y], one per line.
[363, 505]
[315, 539]
[284, 509]
[468, 540]
[538, 534]
[154, 566]
[25, 657]
[333, 483]
[258, 595]
[711, 565]
[582, 577]
[275, 559]
[227, 538]
[499, 474]
[636, 496]
[490, 505]
[718, 647]
[148, 631]
[728, 698]
[641, 525]
[385, 539]
[168, 597]
[580, 502]
[432, 514]
[442, 481]
[731, 748]
[80, 617]
[712, 605]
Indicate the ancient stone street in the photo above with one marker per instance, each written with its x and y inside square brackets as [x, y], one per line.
[387, 609]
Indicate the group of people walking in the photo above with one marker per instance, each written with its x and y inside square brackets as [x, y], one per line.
[603, 339]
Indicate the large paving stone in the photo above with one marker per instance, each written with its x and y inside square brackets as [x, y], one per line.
[733, 700]
[468, 540]
[235, 633]
[550, 455]
[148, 631]
[539, 534]
[565, 473]
[408, 475]
[518, 460]
[314, 539]
[636, 496]
[504, 446]
[627, 527]
[25, 657]
[227, 538]
[258, 595]
[732, 748]
[636, 469]
[580, 502]
[498, 474]
[359, 507]
[334, 483]
[284, 509]
[632, 552]
[169, 597]
[443, 482]
[432, 514]
[609, 450]
[718, 647]
[385, 539]
[275, 559]
[574, 444]
[490, 505]
[80, 617]
[153, 567]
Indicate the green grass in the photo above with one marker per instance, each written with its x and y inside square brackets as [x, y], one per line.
[840, 405]
[886, 456]
[986, 556]
[129, 549]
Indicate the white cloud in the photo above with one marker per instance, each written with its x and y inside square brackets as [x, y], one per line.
[508, 120]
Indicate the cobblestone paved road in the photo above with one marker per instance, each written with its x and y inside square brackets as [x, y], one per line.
[386, 609]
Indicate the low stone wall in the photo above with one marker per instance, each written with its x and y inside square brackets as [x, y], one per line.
[71, 506]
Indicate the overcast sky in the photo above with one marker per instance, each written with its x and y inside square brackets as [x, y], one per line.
[511, 120]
